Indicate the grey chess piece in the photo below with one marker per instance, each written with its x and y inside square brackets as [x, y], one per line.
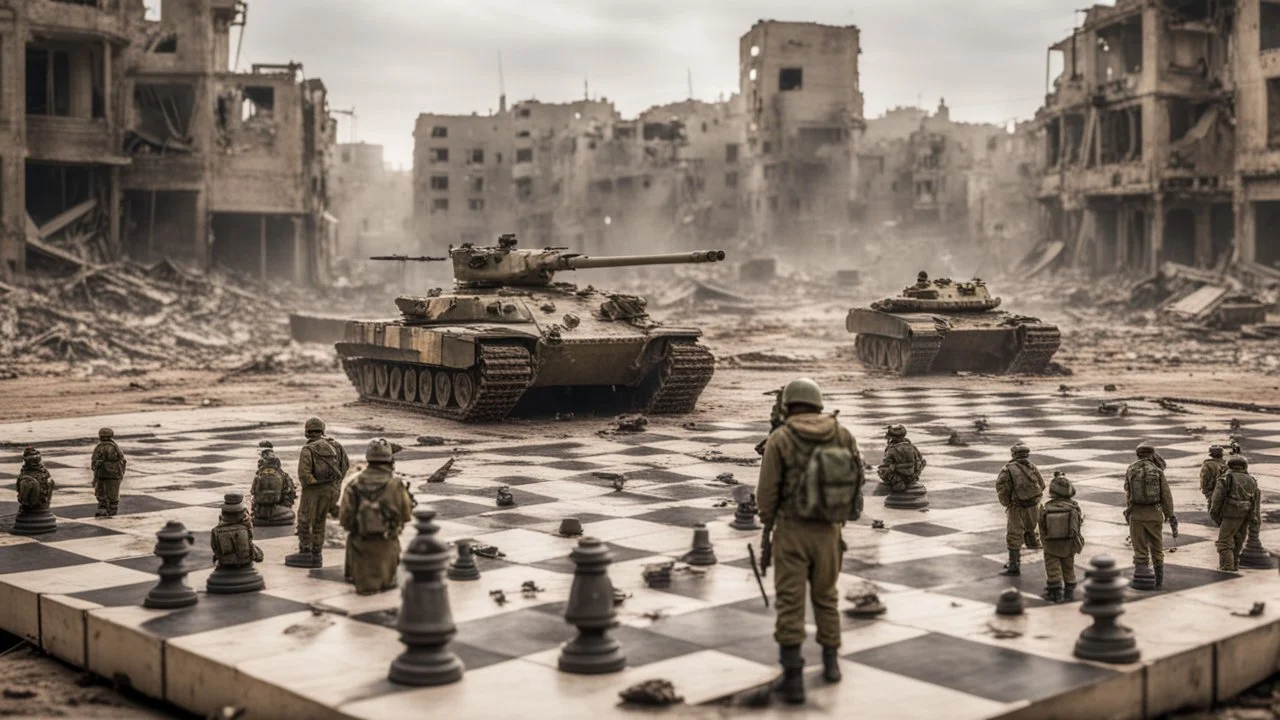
[702, 553]
[234, 551]
[744, 516]
[464, 568]
[1105, 640]
[1144, 577]
[591, 610]
[426, 621]
[173, 543]
[1010, 603]
[1254, 556]
[570, 527]
[34, 520]
[913, 497]
[505, 498]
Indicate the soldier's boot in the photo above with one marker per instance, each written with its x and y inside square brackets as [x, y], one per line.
[1014, 566]
[1159, 576]
[1033, 542]
[831, 664]
[304, 558]
[791, 684]
[1069, 592]
[1052, 593]
[1225, 560]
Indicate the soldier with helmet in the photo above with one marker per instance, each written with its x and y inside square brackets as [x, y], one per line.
[108, 466]
[322, 464]
[1020, 487]
[274, 492]
[902, 463]
[810, 485]
[1148, 503]
[1210, 470]
[1236, 506]
[375, 507]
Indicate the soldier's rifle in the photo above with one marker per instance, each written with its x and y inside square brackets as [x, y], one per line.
[755, 569]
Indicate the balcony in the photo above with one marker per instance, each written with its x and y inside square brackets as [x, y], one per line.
[81, 141]
[102, 19]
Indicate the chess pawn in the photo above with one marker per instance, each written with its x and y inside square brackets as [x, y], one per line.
[426, 621]
[912, 497]
[464, 568]
[1144, 578]
[234, 551]
[505, 498]
[1254, 556]
[590, 609]
[570, 527]
[702, 552]
[1010, 603]
[744, 517]
[1105, 640]
[35, 492]
[173, 543]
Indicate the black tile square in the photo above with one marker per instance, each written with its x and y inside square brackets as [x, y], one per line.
[959, 497]
[37, 556]
[690, 490]
[271, 532]
[764, 650]
[572, 465]
[643, 451]
[1031, 583]
[714, 627]
[567, 566]
[516, 634]
[1176, 578]
[996, 673]
[65, 531]
[932, 572]
[543, 450]
[1103, 497]
[685, 516]
[659, 476]
[130, 504]
[644, 647]
[212, 458]
[502, 520]
[514, 480]
[455, 509]
[220, 611]
[118, 596]
[200, 557]
[925, 529]
[474, 658]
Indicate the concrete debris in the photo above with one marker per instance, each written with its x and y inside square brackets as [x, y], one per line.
[727, 478]
[487, 551]
[1256, 611]
[1113, 408]
[430, 440]
[630, 423]
[443, 472]
[656, 693]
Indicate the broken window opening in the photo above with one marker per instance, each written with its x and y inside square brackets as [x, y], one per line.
[166, 44]
[523, 112]
[477, 185]
[1053, 142]
[476, 157]
[1183, 115]
[731, 153]
[475, 204]
[440, 205]
[790, 79]
[48, 82]
[773, 202]
[257, 103]
[524, 188]
[438, 155]
[1073, 124]
[673, 130]
[164, 114]
[1120, 133]
[1273, 113]
[523, 134]
[602, 186]
[524, 155]
[1269, 25]
[439, 182]
[766, 148]
[731, 180]
[1119, 50]
[1266, 228]
[439, 131]
[624, 132]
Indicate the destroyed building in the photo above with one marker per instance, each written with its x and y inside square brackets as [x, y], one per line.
[1160, 136]
[142, 141]
[371, 201]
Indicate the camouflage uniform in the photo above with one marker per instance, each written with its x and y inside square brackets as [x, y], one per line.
[1146, 521]
[1211, 469]
[1020, 487]
[322, 465]
[805, 552]
[108, 465]
[34, 482]
[374, 557]
[902, 461]
[1062, 539]
[232, 538]
[269, 477]
[1237, 506]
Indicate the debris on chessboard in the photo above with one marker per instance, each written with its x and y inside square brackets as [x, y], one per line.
[659, 693]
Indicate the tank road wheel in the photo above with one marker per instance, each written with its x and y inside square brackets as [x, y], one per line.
[396, 381]
[464, 389]
[425, 385]
[444, 388]
[862, 345]
[380, 379]
[367, 386]
[410, 384]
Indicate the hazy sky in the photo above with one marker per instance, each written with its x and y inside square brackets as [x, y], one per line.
[392, 59]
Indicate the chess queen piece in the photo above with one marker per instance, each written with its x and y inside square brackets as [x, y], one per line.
[173, 544]
[1254, 556]
[426, 621]
[234, 551]
[744, 517]
[464, 568]
[35, 493]
[702, 553]
[590, 609]
[1105, 640]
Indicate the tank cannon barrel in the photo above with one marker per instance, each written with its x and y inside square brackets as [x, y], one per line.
[582, 262]
[406, 258]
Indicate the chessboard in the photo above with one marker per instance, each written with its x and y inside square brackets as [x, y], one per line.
[309, 647]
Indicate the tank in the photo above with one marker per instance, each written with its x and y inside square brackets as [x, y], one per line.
[947, 326]
[509, 334]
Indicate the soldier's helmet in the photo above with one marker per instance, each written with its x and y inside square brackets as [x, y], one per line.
[106, 434]
[30, 454]
[1238, 462]
[379, 451]
[314, 425]
[1019, 451]
[802, 391]
[269, 459]
[896, 431]
[1215, 451]
[1145, 449]
[1061, 486]
[233, 506]
[266, 444]
[922, 277]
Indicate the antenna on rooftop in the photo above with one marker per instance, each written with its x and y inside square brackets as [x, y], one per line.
[586, 88]
[502, 86]
[689, 75]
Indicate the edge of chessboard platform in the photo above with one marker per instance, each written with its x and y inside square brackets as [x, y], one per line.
[308, 647]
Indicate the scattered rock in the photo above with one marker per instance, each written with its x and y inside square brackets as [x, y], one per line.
[657, 693]
[430, 440]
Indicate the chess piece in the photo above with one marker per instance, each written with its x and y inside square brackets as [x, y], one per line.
[505, 498]
[464, 568]
[273, 491]
[866, 601]
[35, 492]
[172, 592]
[234, 551]
[590, 609]
[570, 527]
[1144, 578]
[1105, 640]
[912, 497]
[426, 622]
[702, 552]
[658, 575]
[744, 517]
[1254, 555]
[1010, 603]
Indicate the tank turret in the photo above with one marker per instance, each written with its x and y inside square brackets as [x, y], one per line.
[505, 264]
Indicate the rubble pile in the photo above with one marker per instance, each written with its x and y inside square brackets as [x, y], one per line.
[128, 317]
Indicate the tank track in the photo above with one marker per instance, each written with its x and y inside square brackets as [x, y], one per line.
[504, 373]
[1038, 343]
[923, 347]
[681, 379]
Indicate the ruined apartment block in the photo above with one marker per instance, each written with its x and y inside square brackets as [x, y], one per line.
[372, 202]
[804, 118]
[1140, 131]
[1257, 108]
[462, 178]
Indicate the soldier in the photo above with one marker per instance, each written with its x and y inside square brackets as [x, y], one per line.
[232, 538]
[322, 464]
[1148, 503]
[273, 491]
[1210, 470]
[810, 484]
[1236, 506]
[902, 461]
[108, 472]
[1019, 487]
[35, 487]
[375, 507]
[1060, 524]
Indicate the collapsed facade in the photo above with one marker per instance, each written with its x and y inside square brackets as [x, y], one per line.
[1161, 136]
[140, 140]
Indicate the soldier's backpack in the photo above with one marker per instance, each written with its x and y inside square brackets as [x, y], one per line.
[830, 486]
[112, 463]
[324, 461]
[1239, 500]
[231, 545]
[375, 516]
[1028, 485]
[29, 491]
[269, 488]
[1061, 524]
[1144, 483]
